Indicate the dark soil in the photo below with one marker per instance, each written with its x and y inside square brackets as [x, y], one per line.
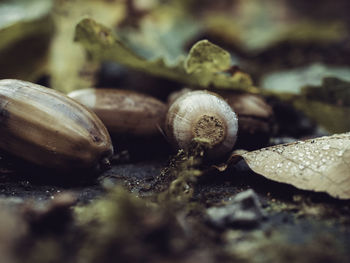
[299, 226]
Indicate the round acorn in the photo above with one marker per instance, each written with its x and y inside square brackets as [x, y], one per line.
[203, 115]
[255, 119]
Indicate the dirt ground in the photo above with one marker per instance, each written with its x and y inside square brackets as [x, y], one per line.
[297, 226]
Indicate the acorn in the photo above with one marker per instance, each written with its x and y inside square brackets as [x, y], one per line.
[123, 111]
[49, 129]
[255, 119]
[203, 115]
[176, 94]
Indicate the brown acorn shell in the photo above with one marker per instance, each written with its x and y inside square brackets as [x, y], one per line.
[47, 128]
[255, 119]
[124, 111]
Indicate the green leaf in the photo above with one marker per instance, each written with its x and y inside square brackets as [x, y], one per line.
[163, 32]
[332, 90]
[103, 45]
[333, 118]
[328, 104]
[69, 67]
[255, 26]
[292, 81]
[322, 98]
[21, 18]
[25, 32]
[207, 57]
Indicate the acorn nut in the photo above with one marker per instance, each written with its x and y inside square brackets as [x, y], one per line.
[49, 129]
[204, 115]
[255, 119]
[123, 111]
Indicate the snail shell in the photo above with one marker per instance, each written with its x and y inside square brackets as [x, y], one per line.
[204, 115]
[49, 129]
[124, 111]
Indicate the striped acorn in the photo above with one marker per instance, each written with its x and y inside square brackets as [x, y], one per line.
[47, 128]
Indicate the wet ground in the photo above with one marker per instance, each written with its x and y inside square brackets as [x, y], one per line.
[298, 226]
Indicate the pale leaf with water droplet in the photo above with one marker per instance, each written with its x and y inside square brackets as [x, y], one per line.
[321, 164]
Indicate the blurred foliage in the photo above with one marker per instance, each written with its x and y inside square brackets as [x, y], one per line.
[258, 25]
[69, 68]
[332, 90]
[25, 32]
[160, 31]
[293, 81]
[21, 18]
[164, 38]
[327, 104]
[102, 45]
[321, 92]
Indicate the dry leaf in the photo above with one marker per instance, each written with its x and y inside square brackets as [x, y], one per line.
[321, 164]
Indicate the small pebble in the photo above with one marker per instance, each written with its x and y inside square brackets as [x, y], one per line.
[244, 210]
